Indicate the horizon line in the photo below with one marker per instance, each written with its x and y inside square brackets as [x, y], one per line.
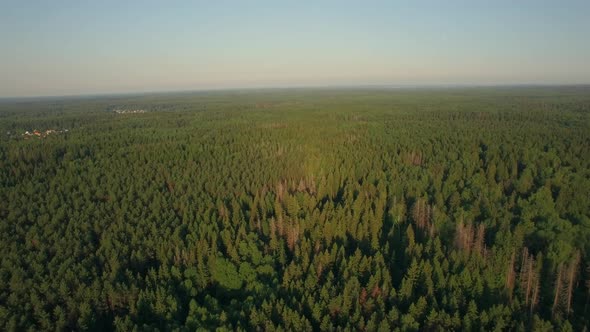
[290, 87]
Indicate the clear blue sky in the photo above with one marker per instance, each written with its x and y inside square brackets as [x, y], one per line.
[80, 47]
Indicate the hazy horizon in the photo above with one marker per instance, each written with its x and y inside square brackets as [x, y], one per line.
[62, 49]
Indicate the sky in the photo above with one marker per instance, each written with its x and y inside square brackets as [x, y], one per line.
[54, 48]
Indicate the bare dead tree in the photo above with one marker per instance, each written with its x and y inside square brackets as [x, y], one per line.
[478, 244]
[572, 274]
[510, 276]
[292, 236]
[464, 236]
[558, 288]
[280, 191]
[588, 287]
[529, 279]
[535, 292]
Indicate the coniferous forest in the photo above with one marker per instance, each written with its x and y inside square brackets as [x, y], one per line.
[297, 209]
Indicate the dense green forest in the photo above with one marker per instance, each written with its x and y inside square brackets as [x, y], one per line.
[349, 209]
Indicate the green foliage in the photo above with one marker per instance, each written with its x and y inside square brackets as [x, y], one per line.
[225, 273]
[305, 210]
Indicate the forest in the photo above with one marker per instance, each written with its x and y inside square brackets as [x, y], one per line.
[431, 209]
